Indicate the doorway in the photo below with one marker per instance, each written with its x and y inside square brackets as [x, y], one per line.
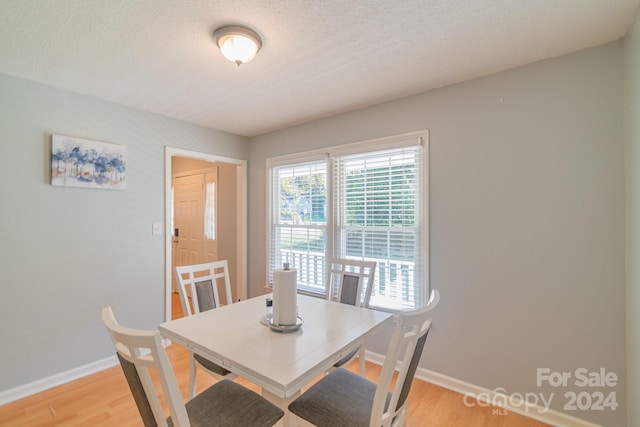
[195, 219]
[231, 215]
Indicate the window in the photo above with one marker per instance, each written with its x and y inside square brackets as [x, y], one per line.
[299, 226]
[360, 201]
[210, 211]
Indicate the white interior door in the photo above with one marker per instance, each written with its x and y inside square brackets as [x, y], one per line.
[189, 219]
[195, 200]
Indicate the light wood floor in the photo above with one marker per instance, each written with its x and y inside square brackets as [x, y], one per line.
[104, 399]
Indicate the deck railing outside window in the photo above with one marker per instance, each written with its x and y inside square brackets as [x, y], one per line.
[387, 292]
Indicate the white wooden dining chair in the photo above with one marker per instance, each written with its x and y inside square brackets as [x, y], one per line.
[343, 398]
[199, 289]
[225, 403]
[202, 284]
[351, 282]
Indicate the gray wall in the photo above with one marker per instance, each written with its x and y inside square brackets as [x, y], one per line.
[632, 156]
[527, 219]
[66, 252]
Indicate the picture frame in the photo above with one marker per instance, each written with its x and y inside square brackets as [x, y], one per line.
[77, 162]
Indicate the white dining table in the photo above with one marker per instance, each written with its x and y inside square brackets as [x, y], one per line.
[281, 363]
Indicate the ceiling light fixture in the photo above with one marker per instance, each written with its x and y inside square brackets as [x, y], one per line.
[238, 44]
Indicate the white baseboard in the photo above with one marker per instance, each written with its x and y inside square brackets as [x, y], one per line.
[61, 378]
[56, 380]
[508, 403]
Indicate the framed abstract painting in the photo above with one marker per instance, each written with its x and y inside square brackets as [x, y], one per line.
[77, 162]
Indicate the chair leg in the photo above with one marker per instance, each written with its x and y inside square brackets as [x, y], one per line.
[192, 377]
[363, 369]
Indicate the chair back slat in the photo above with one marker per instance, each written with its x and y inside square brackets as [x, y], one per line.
[413, 366]
[350, 289]
[205, 296]
[137, 390]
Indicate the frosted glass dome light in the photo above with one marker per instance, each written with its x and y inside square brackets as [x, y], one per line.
[237, 44]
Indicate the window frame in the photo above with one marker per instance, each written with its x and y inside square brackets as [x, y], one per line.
[419, 138]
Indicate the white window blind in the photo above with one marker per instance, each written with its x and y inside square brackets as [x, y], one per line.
[363, 201]
[377, 208]
[298, 221]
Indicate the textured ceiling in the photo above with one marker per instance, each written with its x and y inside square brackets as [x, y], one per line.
[319, 58]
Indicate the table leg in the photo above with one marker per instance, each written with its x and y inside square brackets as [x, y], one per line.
[289, 419]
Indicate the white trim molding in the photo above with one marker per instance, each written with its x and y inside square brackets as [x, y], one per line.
[513, 403]
[16, 393]
[26, 390]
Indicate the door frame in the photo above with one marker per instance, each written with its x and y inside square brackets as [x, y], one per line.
[241, 232]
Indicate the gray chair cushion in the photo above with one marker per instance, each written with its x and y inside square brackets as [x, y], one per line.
[349, 292]
[227, 404]
[411, 371]
[206, 300]
[210, 365]
[139, 395]
[340, 399]
[349, 296]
